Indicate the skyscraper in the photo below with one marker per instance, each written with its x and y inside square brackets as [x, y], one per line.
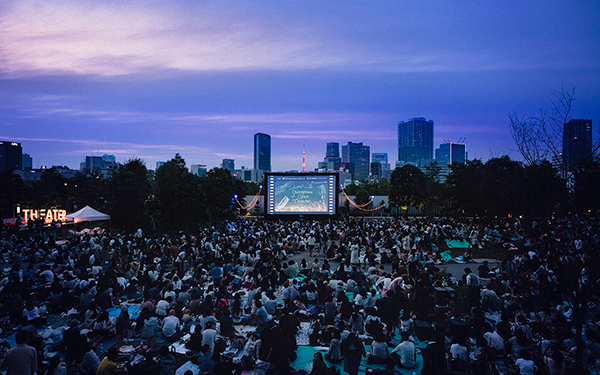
[379, 157]
[577, 142]
[332, 156]
[262, 151]
[27, 162]
[11, 156]
[198, 169]
[358, 156]
[449, 153]
[415, 139]
[333, 152]
[383, 171]
[228, 164]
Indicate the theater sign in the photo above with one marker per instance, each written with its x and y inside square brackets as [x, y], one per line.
[46, 214]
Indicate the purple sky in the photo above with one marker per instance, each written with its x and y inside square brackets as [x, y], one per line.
[149, 79]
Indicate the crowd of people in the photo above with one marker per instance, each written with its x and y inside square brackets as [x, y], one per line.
[369, 292]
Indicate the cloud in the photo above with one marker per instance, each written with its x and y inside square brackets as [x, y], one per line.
[328, 135]
[83, 147]
[154, 39]
[110, 39]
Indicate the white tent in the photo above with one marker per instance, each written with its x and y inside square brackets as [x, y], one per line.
[87, 214]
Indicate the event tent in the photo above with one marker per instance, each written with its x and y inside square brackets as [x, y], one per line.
[87, 214]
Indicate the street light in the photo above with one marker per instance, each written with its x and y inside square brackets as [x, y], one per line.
[373, 205]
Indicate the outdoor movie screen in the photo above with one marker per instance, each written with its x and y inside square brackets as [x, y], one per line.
[301, 194]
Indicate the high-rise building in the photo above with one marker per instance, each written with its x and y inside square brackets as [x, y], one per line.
[102, 164]
[198, 169]
[91, 163]
[332, 156]
[11, 156]
[109, 158]
[379, 157]
[160, 164]
[228, 164]
[262, 151]
[384, 170]
[27, 162]
[376, 170]
[577, 142]
[333, 152]
[415, 139]
[358, 156]
[449, 153]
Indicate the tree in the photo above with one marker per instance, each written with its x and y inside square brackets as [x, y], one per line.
[466, 187]
[180, 199]
[129, 190]
[434, 193]
[50, 191]
[539, 138]
[88, 191]
[587, 180]
[11, 193]
[407, 186]
[219, 187]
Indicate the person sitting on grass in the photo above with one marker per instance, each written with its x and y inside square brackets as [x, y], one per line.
[408, 352]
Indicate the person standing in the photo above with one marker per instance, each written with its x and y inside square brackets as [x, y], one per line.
[352, 351]
[22, 359]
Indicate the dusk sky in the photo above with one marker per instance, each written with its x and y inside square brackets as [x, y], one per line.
[150, 79]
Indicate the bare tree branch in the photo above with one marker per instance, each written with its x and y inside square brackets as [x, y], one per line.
[540, 138]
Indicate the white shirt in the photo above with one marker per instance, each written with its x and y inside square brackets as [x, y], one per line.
[161, 307]
[494, 340]
[209, 336]
[170, 325]
[526, 366]
[48, 276]
[472, 279]
[407, 353]
[458, 351]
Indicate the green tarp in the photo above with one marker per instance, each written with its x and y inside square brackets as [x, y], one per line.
[464, 244]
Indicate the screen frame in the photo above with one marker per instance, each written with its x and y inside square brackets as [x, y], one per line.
[297, 216]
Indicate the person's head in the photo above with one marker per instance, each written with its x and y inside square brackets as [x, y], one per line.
[205, 348]
[21, 337]
[209, 325]
[318, 358]
[525, 353]
[405, 336]
[112, 353]
[164, 351]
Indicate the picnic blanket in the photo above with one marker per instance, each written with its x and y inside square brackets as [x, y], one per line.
[464, 244]
[134, 311]
[187, 366]
[446, 256]
[306, 353]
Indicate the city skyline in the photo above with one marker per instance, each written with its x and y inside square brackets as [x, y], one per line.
[83, 78]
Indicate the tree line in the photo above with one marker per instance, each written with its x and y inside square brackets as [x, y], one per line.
[171, 198]
[168, 199]
[499, 187]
